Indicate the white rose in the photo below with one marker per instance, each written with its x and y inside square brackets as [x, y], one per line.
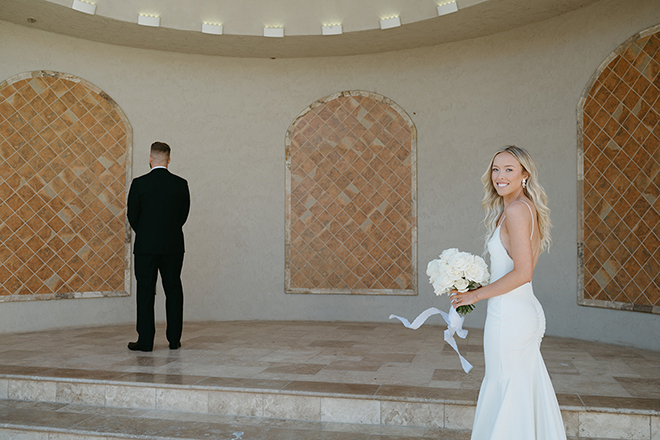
[459, 260]
[452, 272]
[442, 284]
[433, 270]
[438, 288]
[486, 275]
[455, 270]
[447, 254]
[462, 285]
[475, 271]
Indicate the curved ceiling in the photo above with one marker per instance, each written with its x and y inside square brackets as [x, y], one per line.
[115, 22]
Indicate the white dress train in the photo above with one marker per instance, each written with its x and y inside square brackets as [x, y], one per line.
[516, 400]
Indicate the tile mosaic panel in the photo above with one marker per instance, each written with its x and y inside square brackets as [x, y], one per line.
[64, 167]
[619, 180]
[351, 225]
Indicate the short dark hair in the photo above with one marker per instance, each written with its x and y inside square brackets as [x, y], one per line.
[160, 148]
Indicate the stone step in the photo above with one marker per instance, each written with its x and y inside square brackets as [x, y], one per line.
[374, 406]
[23, 420]
[56, 421]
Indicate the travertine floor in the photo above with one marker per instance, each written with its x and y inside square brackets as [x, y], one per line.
[361, 359]
[318, 356]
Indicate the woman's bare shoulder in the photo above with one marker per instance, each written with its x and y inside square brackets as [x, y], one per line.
[520, 211]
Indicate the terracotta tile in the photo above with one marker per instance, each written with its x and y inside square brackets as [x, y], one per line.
[592, 107]
[5, 233]
[632, 100]
[95, 283]
[633, 51]
[34, 243]
[641, 84]
[610, 104]
[13, 243]
[45, 253]
[631, 76]
[23, 274]
[653, 293]
[116, 263]
[37, 286]
[652, 242]
[641, 133]
[45, 272]
[27, 92]
[351, 174]
[57, 85]
[651, 94]
[55, 263]
[592, 289]
[620, 66]
[13, 284]
[76, 283]
[64, 271]
[90, 100]
[632, 267]
[609, 79]
[4, 273]
[16, 101]
[8, 90]
[14, 222]
[622, 278]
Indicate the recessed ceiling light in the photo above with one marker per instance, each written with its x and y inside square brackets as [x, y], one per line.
[447, 8]
[273, 32]
[390, 23]
[333, 29]
[209, 28]
[148, 20]
[87, 8]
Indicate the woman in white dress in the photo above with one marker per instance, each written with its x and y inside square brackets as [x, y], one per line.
[516, 400]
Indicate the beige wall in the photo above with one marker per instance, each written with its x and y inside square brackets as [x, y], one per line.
[226, 120]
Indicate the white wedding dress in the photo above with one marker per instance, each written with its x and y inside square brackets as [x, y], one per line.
[517, 400]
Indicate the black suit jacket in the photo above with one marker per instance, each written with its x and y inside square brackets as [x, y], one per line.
[158, 206]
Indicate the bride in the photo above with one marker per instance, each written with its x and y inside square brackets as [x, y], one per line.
[517, 400]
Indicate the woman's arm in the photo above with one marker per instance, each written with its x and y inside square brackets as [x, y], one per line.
[518, 227]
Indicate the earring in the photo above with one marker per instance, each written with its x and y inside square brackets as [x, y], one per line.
[524, 183]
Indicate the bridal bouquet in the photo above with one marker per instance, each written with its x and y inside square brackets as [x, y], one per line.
[457, 270]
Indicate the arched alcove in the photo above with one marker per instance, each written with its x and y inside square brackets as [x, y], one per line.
[351, 225]
[65, 163]
[619, 179]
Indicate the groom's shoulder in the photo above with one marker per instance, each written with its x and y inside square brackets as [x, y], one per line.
[179, 179]
[140, 179]
[156, 177]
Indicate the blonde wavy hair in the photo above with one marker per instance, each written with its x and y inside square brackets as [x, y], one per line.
[494, 205]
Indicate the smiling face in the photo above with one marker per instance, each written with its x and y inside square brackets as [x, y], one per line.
[507, 175]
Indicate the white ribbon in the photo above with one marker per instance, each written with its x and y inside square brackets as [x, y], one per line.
[454, 326]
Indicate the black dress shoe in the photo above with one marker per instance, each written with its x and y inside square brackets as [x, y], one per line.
[136, 346]
[175, 346]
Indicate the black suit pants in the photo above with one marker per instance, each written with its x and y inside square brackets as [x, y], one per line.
[147, 268]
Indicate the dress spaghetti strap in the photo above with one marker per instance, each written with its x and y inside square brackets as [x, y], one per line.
[532, 214]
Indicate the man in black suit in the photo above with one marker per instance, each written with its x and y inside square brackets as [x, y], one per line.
[158, 206]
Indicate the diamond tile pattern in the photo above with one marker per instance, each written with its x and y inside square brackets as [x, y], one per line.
[63, 159]
[621, 147]
[351, 214]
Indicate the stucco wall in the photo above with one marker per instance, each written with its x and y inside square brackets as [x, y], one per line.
[226, 120]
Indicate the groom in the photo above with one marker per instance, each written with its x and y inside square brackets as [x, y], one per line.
[158, 206]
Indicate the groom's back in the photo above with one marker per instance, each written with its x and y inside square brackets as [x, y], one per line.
[158, 208]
